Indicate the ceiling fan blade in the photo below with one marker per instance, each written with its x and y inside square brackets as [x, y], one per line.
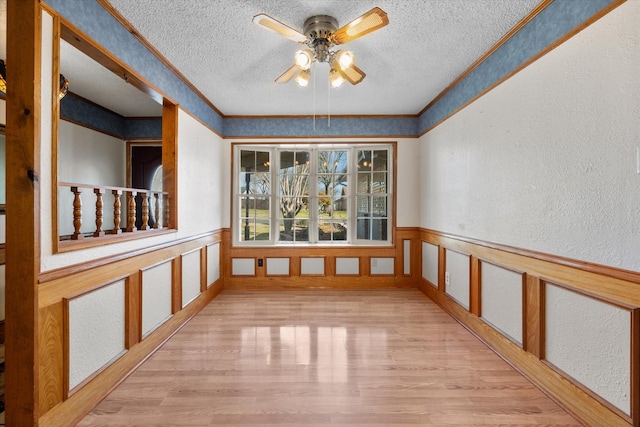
[288, 75]
[374, 19]
[352, 74]
[280, 28]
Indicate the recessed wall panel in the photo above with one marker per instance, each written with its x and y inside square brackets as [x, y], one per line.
[190, 277]
[277, 266]
[382, 266]
[590, 340]
[156, 296]
[213, 263]
[430, 263]
[312, 266]
[406, 260]
[243, 267]
[502, 300]
[96, 330]
[348, 266]
[458, 268]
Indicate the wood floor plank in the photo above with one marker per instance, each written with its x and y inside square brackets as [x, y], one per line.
[325, 358]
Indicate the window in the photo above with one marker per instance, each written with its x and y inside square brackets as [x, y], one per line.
[320, 194]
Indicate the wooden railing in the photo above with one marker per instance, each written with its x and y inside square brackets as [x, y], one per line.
[145, 210]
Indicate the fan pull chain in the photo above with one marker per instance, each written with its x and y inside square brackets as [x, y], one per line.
[329, 105]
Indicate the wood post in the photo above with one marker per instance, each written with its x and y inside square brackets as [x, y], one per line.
[77, 213]
[131, 212]
[99, 192]
[156, 211]
[116, 211]
[145, 210]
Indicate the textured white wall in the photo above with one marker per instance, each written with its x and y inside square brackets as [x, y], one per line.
[96, 330]
[156, 296]
[590, 341]
[502, 299]
[203, 184]
[547, 160]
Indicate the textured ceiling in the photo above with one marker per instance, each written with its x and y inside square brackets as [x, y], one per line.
[233, 62]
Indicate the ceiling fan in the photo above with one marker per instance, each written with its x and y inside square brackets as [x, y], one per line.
[320, 35]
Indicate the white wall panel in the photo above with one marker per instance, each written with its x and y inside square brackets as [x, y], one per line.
[213, 263]
[277, 266]
[382, 265]
[312, 266]
[156, 296]
[430, 263]
[458, 267]
[243, 267]
[347, 266]
[502, 299]
[590, 340]
[96, 330]
[190, 277]
[406, 253]
[548, 158]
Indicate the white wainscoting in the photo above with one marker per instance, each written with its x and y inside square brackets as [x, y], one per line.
[591, 341]
[502, 299]
[382, 266]
[458, 267]
[156, 296]
[96, 330]
[347, 266]
[190, 277]
[243, 267]
[277, 266]
[213, 263]
[430, 263]
[312, 266]
[406, 260]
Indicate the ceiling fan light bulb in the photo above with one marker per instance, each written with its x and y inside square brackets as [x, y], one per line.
[303, 78]
[345, 59]
[335, 78]
[303, 59]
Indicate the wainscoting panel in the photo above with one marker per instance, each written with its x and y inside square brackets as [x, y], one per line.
[430, 263]
[156, 296]
[278, 267]
[347, 266]
[213, 263]
[243, 267]
[382, 266]
[89, 313]
[590, 341]
[406, 257]
[573, 328]
[458, 266]
[312, 266]
[501, 301]
[96, 325]
[190, 276]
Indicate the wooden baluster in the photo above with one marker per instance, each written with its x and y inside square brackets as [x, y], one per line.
[116, 211]
[77, 213]
[99, 192]
[145, 211]
[166, 210]
[156, 211]
[131, 217]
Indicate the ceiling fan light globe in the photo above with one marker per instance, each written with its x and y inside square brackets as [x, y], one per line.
[335, 78]
[303, 59]
[344, 59]
[303, 78]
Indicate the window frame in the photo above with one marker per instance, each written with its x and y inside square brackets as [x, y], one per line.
[314, 197]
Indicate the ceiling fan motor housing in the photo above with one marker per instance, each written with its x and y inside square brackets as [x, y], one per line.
[319, 29]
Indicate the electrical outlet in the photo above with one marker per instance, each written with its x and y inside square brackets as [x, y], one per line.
[260, 262]
[447, 279]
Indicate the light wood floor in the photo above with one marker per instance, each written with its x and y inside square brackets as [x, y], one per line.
[325, 358]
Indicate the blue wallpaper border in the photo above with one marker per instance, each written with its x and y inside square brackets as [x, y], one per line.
[558, 19]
